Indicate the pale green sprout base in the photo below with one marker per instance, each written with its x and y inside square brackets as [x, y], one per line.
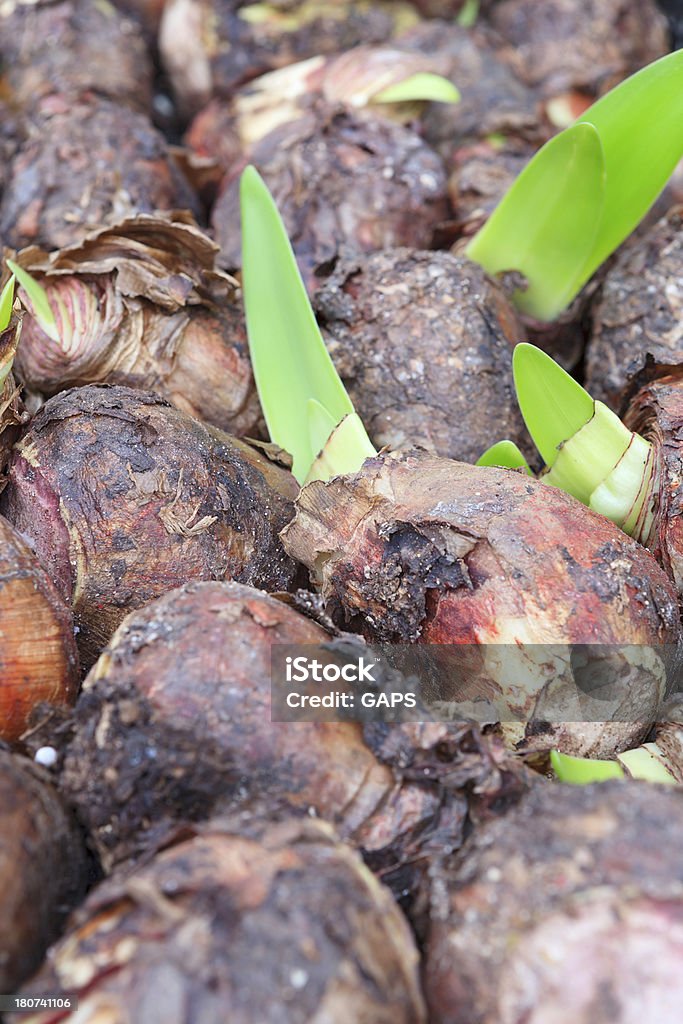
[589, 452]
[646, 763]
[302, 397]
[344, 451]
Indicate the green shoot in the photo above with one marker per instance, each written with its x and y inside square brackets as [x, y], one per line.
[587, 449]
[553, 405]
[646, 763]
[9, 339]
[6, 304]
[506, 455]
[422, 86]
[587, 189]
[40, 306]
[580, 771]
[302, 397]
[546, 225]
[468, 14]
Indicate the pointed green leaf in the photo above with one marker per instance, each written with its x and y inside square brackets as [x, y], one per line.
[580, 771]
[40, 306]
[422, 86]
[6, 303]
[648, 764]
[640, 124]
[505, 454]
[553, 405]
[546, 225]
[468, 14]
[291, 363]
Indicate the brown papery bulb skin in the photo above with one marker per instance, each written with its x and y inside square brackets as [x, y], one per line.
[418, 548]
[584, 45]
[281, 925]
[125, 498]
[636, 317]
[494, 105]
[341, 181]
[423, 342]
[43, 867]
[568, 909]
[174, 722]
[209, 47]
[115, 164]
[13, 414]
[656, 412]
[142, 304]
[72, 47]
[225, 131]
[38, 657]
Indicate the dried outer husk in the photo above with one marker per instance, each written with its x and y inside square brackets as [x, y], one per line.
[283, 923]
[147, 12]
[494, 103]
[638, 312]
[87, 163]
[71, 47]
[43, 867]
[440, 8]
[669, 737]
[588, 46]
[142, 304]
[415, 548]
[341, 180]
[12, 413]
[656, 412]
[124, 498]
[210, 47]
[174, 724]
[423, 342]
[226, 131]
[38, 657]
[480, 175]
[568, 909]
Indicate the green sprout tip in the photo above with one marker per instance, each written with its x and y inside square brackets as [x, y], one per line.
[6, 304]
[302, 397]
[506, 455]
[39, 304]
[586, 190]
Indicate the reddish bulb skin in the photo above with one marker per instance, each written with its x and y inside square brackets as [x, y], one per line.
[568, 908]
[174, 724]
[243, 921]
[656, 412]
[414, 548]
[125, 498]
[44, 869]
[38, 657]
[70, 48]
